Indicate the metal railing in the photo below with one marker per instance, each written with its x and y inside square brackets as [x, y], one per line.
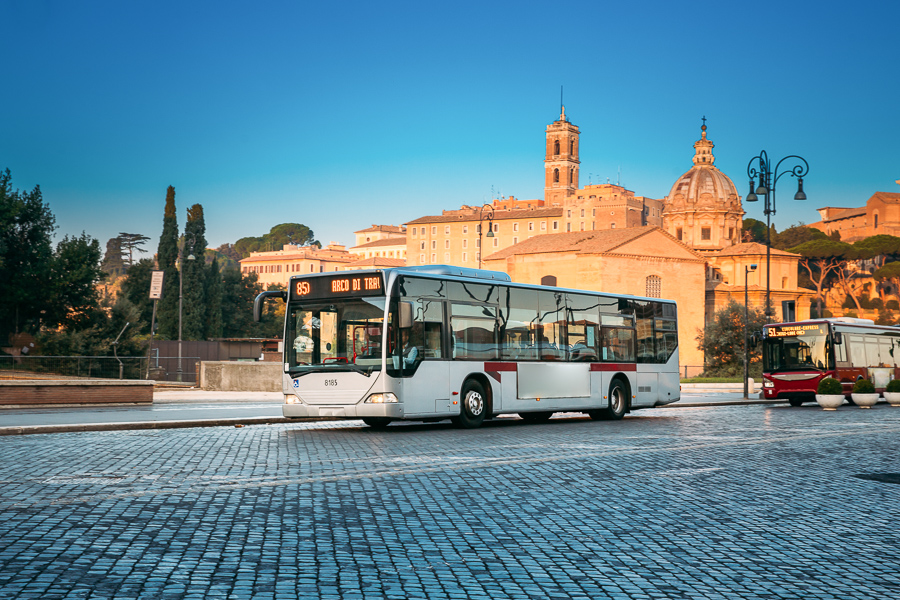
[161, 368]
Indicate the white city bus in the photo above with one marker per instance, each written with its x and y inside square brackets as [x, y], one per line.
[441, 342]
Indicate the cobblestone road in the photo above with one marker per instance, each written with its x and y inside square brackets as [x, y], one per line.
[723, 502]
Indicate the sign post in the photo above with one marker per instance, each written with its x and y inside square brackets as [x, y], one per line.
[156, 289]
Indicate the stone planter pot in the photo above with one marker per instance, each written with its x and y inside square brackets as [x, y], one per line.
[865, 400]
[829, 401]
[892, 397]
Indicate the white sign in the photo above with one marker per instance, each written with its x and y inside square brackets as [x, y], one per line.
[156, 285]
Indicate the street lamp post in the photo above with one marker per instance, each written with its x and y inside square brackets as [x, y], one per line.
[767, 180]
[490, 233]
[747, 270]
[181, 295]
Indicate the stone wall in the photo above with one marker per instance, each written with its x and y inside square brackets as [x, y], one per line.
[241, 376]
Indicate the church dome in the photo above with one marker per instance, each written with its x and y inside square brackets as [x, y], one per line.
[704, 184]
[703, 208]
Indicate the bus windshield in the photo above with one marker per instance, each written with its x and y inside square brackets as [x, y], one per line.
[334, 335]
[805, 351]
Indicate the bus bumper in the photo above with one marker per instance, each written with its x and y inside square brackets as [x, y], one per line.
[353, 411]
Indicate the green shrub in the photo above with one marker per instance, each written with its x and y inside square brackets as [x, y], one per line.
[863, 386]
[893, 386]
[830, 386]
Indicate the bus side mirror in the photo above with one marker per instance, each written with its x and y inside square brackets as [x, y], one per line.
[258, 303]
[406, 315]
[838, 338]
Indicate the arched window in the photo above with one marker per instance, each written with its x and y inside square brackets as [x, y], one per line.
[571, 146]
[556, 147]
[548, 280]
[555, 175]
[876, 220]
[654, 286]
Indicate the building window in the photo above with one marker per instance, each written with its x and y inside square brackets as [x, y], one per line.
[544, 225]
[423, 231]
[705, 233]
[446, 230]
[422, 259]
[515, 226]
[446, 243]
[465, 243]
[414, 230]
[555, 225]
[496, 242]
[679, 233]
[555, 175]
[446, 257]
[876, 221]
[548, 280]
[569, 215]
[531, 226]
[582, 213]
[433, 258]
[311, 269]
[568, 227]
[515, 240]
[421, 245]
[612, 225]
[654, 286]
[556, 148]
[730, 233]
[465, 257]
[496, 227]
[465, 229]
[593, 211]
[433, 244]
[433, 230]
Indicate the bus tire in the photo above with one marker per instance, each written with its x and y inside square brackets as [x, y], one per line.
[618, 403]
[536, 417]
[474, 405]
[796, 401]
[377, 422]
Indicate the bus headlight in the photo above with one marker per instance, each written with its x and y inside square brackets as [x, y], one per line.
[291, 399]
[767, 383]
[385, 398]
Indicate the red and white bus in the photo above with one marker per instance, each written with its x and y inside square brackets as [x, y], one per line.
[441, 342]
[796, 356]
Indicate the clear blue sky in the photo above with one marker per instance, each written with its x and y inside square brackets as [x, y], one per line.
[339, 115]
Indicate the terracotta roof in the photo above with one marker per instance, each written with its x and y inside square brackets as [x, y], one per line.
[750, 248]
[397, 241]
[850, 212]
[499, 215]
[378, 261]
[889, 197]
[586, 242]
[385, 228]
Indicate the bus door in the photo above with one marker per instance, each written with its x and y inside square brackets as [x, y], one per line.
[424, 372]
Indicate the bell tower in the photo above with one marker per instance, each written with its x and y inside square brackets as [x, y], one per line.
[561, 160]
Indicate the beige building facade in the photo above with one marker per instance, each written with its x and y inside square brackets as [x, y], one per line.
[880, 215]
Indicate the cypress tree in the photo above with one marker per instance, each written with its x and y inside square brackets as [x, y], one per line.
[213, 300]
[167, 255]
[194, 272]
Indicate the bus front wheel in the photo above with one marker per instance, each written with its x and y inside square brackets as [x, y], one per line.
[618, 403]
[474, 405]
[377, 422]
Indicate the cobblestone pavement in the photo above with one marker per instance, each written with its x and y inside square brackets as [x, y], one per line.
[722, 502]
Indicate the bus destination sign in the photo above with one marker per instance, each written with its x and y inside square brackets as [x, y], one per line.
[795, 330]
[335, 286]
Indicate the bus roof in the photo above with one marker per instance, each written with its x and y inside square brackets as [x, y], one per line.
[454, 273]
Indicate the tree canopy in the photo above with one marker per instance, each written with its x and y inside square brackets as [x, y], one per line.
[722, 341]
[278, 236]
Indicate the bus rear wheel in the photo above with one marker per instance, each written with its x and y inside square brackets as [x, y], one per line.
[377, 422]
[474, 406]
[618, 403]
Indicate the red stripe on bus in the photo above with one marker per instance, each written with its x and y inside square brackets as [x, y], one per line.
[613, 367]
[500, 366]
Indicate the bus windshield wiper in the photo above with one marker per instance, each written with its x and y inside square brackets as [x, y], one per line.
[301, 370]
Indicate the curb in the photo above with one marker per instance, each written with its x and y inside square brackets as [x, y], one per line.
[136, 425]
[240, 421]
